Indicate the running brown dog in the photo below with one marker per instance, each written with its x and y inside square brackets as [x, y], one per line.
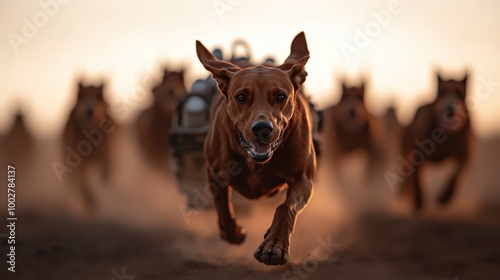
[89, 120]
[349, 122]
[260, 142]
[154, 123]
[440, 130]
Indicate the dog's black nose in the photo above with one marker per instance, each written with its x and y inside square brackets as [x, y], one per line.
[450, 112]
[89, 112]
[262, 129]
[352, 113]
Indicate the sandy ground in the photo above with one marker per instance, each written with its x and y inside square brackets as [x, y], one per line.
[352, 228]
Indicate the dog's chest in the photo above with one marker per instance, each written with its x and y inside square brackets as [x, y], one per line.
[258, 182]
[452, 146]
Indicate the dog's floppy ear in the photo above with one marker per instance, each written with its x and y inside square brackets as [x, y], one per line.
[297, 73]
[295, 63]
[343, 90]
[101, 87]
[440, 79]
[298, 50]
[464, 82]
[165, 74]
[222, 71]
[363, 86]
[344, 85]
[81, 87]
[464, 79]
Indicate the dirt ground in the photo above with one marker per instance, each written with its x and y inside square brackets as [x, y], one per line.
[352, 229]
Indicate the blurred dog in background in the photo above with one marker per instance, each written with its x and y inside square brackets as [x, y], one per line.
[153, 124]
[350, 125]
[86, 139]
[439, 130]
[17, 144]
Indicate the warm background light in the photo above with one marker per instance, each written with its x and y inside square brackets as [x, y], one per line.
[124, 40]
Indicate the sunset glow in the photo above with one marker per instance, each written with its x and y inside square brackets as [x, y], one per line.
[402, 44]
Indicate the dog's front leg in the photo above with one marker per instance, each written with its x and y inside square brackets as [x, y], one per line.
[449, 189]
[229, 228]
[274, 249]
[417, 189]
[106, 167]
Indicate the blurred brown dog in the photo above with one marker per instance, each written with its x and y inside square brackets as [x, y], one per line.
[440, 130]
[350, 124]
[18, 144]
[260, 141]
[86, 140]
[153, 124]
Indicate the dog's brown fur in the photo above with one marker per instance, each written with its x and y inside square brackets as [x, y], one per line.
[234, 151]
[350, 125]
[18, 143]
[154, 123]
[448, 116]
[90, 113]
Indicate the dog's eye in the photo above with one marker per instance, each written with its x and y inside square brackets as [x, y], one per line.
[241, 97]
[280, 97]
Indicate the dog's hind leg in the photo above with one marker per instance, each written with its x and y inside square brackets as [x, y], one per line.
[274, 249]
[447, 194]
[229, 228]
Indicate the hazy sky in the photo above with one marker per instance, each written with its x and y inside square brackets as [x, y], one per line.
[125, 40]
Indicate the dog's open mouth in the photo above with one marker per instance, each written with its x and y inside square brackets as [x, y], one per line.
[258, 151]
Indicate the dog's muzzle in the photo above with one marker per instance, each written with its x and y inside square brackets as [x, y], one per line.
[260, 152]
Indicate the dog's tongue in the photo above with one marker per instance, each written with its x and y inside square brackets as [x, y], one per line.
[261, 148]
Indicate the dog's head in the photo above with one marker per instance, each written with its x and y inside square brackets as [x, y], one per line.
[351, 110]
[170, 90]
[450, 109]
[261, 99]
[91, 108]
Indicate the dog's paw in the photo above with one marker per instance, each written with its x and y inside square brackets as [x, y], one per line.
[273, 251]
[235, 235]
